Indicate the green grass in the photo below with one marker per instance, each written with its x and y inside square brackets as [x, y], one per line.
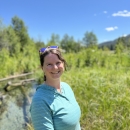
[103, 96]
[101, 83]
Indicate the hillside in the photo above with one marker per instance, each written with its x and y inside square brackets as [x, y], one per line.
[110, 44]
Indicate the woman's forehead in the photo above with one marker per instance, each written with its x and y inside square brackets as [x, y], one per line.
[51, 57]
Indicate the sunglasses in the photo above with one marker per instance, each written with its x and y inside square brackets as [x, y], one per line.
[42, 50]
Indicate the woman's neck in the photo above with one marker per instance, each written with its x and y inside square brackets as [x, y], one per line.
[55, 83]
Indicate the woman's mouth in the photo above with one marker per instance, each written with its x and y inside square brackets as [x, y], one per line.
[55, 72]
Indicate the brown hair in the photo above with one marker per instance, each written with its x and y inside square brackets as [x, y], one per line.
[53, 51]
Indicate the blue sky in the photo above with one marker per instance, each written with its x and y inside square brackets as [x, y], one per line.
[107, 19]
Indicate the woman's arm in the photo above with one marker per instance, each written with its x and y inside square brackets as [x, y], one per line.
[41, 115]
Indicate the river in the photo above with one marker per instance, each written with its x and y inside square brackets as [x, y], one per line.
[14, 107]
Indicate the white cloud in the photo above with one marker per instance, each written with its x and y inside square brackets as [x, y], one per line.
[124, 35]
[111, 28]
[105, 12]
[123, 13]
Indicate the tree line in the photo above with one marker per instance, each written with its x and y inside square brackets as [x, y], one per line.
[15, 37]
[18, 52]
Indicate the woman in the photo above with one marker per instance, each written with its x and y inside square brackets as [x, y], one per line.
[54, 106]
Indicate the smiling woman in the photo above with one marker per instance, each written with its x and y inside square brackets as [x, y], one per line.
[54, 106]
[53, 68]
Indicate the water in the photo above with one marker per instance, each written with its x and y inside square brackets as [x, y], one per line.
[14, 108]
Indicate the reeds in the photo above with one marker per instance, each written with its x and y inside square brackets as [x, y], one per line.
[103, 96]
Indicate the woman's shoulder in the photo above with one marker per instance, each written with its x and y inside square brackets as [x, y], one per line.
[43, 92]
[44, 88]
[64, 84]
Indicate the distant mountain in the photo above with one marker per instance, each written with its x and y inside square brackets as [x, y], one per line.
[110, 44]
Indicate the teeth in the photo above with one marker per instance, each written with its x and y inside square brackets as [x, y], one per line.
[55, 72]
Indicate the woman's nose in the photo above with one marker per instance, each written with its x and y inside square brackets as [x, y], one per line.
[55, 66]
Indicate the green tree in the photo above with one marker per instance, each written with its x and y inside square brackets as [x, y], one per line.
[39, 44]
[128, 43]
[3, 35]
[69, 44]
[120, 45]
[90, 39]
[55, 40]
[13, 42]
[20, 30]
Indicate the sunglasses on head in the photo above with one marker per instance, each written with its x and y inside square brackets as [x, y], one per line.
[42, 50]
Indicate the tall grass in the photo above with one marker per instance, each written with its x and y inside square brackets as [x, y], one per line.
[101, 83]
[103, 96]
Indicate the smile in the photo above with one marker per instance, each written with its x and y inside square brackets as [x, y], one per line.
[55, 72]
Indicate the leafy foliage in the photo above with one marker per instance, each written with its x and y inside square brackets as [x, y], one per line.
[69, 44]
[99, 77]
[90, 39]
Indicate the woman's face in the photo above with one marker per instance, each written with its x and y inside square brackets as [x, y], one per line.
[53, 67]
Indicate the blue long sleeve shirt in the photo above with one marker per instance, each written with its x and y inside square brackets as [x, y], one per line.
[51, 110]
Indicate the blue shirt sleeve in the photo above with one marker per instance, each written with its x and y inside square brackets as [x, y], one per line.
[41, 115]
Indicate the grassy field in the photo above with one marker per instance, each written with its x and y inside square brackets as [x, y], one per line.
[99, 77]
[100, 80]
[103, 96]
[101, 83]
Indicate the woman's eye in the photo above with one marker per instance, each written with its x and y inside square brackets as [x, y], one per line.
[58, 63]
[49, 65]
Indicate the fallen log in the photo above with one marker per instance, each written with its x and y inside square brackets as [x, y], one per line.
[16, 76]
[9, 86]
